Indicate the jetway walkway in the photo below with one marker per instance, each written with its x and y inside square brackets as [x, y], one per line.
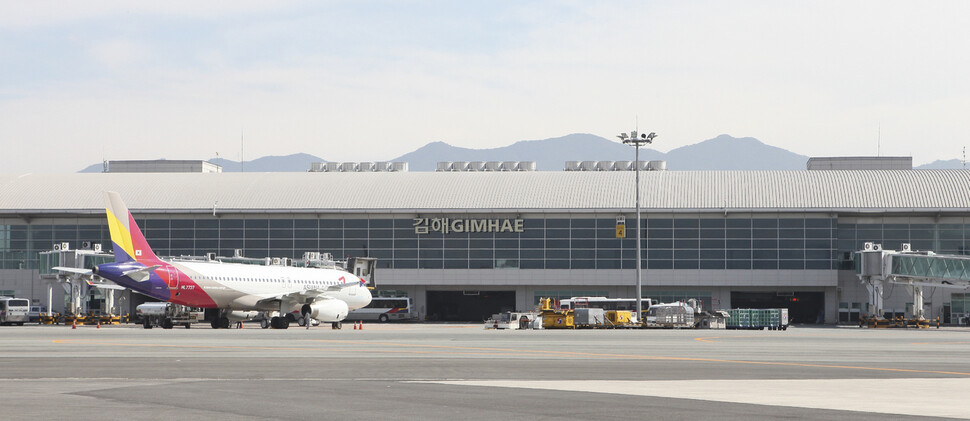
[914, 269]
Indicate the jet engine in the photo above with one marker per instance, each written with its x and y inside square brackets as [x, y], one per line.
[326, 310]
[240, 316]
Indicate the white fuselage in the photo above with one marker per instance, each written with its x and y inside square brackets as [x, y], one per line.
[247, 287]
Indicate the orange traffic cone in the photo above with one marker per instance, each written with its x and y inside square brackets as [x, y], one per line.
[99, 323]
[355, 325]
[361, 325]
[74, 324]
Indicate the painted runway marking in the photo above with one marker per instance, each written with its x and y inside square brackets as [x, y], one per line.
[406, 348]
[888, 396]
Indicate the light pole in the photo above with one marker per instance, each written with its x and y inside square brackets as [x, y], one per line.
[632, 139]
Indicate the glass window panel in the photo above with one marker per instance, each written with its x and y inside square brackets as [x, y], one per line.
[818, 223]
[791, 233]
[506, 254]
[583, 233]
[281, 233]
[605, 254]
[764, 233]
[281, 223]
[257, 223]
[737, 233]
[506, 244]
[685, 244]
[764, 254]
[686, 233]
[658, 223]
[791, 244]
[683, 255]
[791, 254]
[660, 254]
[764, 244]
[557, 264]
[712, 264]
[764, 264]
[663, 243]
[583, 223]
[657, 233]
[712, 223]
[531, 264]
[405, 264]
[429, 254]
[557, 223]
[712, 233]
[431, 264]
[557, 244]
[712, 244]
[659, 264]
[685, 264]
[818, 254]
[305, 245]
[557, 254]
[817, 233]
[737, 264]
[532, 254]
[533, 224]
[821, 244]
[792, 223]
[557, 233]
[590, 243]
[685, 223]
[738, 254]
[280, 244]
[764, 223]
[355, 223]
[305, 224]
[455, 264]
[738, 223]
[583, 254]
[257, 233]
[791, 264]
[818, 264]
[737, 244]
[606, 223]
[712, 254]
[532, 244]
[230, 223]
[182, 234]
[456, 254]
[305, 233]
[331, 244]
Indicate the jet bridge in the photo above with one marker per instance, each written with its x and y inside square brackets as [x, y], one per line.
[915, 269]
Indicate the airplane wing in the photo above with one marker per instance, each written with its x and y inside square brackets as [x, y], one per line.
[78, 271]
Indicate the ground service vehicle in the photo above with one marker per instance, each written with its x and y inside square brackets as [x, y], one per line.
[384, 309]
[167, 315]
[13, 311]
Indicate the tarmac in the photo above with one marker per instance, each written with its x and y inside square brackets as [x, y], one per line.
[462, 371]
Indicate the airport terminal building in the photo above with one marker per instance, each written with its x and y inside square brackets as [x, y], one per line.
[465, 245]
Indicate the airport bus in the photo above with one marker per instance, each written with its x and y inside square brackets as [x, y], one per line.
[384, 309]
[13, 310]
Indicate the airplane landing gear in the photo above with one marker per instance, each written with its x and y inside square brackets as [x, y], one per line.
[336, 325]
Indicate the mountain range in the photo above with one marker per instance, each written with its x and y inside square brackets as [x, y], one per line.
[723, 152]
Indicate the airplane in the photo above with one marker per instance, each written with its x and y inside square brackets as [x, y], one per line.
[239, 291]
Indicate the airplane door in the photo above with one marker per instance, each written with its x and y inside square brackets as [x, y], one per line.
[173, 277]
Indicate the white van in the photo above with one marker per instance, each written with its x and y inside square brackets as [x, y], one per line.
[13, 311]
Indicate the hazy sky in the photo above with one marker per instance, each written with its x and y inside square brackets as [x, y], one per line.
[372, 80]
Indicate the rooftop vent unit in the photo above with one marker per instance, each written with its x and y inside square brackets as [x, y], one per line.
[445, 166]
[623, 166]
[476, 166]
[348, 167]
[572, 166]
[657, 166]
[365, 167]
[604, 166]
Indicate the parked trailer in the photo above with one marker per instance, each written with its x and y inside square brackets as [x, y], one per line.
[671, 315]
[758, 319]
[513, 320]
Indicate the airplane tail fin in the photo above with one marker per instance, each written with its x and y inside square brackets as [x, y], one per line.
[129, 243]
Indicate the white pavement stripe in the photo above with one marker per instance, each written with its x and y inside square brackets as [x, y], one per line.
[937, 397]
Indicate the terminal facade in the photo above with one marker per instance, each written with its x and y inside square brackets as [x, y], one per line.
[466, 245]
